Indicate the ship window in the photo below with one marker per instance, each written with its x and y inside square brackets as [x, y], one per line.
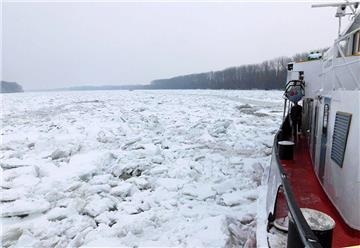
[340, 136]
[343, 46]
[325, 118]
[356, 46]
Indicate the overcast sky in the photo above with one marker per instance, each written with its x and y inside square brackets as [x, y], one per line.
[52, 45]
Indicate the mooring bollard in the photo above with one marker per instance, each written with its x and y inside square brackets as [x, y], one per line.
[320, 223]
[286, 150]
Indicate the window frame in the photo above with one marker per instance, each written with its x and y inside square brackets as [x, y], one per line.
[342, 125]
[356, 43]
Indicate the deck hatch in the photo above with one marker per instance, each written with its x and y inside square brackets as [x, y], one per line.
[340, 135]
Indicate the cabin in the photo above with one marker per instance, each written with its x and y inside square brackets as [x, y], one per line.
[323, 174]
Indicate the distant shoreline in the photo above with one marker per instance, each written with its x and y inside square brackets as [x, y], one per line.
[10, 87]
[71, 90]
[268, 75]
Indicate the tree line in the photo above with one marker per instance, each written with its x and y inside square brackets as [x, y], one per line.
[10, 87]
[269, 74]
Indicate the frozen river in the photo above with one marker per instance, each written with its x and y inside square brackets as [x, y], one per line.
[134, 168]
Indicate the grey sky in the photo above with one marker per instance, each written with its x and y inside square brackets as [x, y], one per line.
[51, 45]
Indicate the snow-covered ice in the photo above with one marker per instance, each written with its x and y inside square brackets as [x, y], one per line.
[134, 168]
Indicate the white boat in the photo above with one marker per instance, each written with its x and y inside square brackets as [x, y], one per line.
[313, 184]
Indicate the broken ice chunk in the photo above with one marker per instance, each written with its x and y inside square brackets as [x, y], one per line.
[10, 174]
[65, 151]
[123, 190]
[225, 186]
[233, 199]
[129, 208]
[59, 154]
[57, 213]
[98, 205]
[27, 240]
[9, 235]
[140, 182]
[100, 179]
[220, 127]
[157, 160]
[11, 194]
[171, 184]
[127, 170]
[13, 163]
[200, 191]
[130, 143]
[24, 207]
[25, 180]
[93, 189]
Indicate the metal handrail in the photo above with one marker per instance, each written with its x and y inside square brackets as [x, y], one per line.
[306, 235]
[294, 83]
[343, 37]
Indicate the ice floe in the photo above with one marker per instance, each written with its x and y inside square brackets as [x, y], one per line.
[139, 168]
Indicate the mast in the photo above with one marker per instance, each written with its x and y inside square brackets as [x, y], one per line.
[341, 10]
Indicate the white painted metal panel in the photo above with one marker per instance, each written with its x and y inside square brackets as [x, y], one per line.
[342, 184]
[312, 73]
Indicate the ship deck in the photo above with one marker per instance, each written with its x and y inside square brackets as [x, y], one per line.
[309, 194]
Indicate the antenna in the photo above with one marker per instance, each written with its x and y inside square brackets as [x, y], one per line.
[341, 9]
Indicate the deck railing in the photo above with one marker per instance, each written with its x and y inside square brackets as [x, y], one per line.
[306, 235]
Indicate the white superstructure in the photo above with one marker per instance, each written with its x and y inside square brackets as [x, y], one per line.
[332, 120]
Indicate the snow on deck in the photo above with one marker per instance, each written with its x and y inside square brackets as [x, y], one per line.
[134, 168]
